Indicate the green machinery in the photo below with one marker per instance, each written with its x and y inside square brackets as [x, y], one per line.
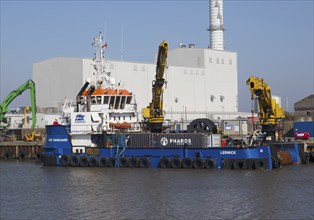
[7, 101]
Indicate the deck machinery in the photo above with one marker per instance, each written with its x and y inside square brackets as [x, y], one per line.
[29, 84]
[154, 114]
[269, 110]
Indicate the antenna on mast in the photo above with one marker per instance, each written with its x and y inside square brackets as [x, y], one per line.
[99, 60]
[122, 43]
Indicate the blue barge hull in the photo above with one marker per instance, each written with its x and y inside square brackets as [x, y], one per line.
[58, 152]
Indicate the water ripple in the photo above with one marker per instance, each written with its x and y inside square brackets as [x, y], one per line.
[30, 191]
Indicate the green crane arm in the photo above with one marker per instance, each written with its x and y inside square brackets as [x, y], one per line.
[7, 101]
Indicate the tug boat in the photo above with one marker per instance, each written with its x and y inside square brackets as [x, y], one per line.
[102, 105]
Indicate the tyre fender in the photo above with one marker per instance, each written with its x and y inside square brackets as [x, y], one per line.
[93, 162]
[133, 162]
[65, 160]
[124, 162]
[103, 162]
[209, 163]
[75, 161]
[22, 155]
[198, 163]
[176, 163]
[239, 164]
[260, 164]
[164, 163]
[112, 162]
[83, 161]
[187, 163]
[250, 164]
[144, 163]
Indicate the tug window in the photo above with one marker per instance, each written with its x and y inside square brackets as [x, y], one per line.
[106, 99]
[117, 104]
[93, 100]
[128, 99]
[122, 102]
[98, 100]
[112, 99]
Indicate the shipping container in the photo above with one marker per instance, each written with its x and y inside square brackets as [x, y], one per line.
[140, 140]
[304, 126]
[214, 140]
[234, 127]
[183, 140]
[167, 140]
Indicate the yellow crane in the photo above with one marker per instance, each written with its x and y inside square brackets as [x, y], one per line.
[154, 114]
[269, 110]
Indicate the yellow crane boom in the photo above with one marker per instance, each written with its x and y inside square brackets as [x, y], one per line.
[154, 115]
[269, 110]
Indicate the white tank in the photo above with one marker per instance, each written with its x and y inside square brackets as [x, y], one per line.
[216, 25]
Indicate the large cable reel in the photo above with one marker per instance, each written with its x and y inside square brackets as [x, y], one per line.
[202, 125]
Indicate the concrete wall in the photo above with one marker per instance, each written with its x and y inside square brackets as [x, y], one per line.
[201, 80]
[304, 108]
[137, 78]
[57, 78]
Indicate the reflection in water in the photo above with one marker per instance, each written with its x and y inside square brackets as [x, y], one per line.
[30, 191]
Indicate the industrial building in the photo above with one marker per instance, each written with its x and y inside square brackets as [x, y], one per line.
[304, 108]
[200, 81]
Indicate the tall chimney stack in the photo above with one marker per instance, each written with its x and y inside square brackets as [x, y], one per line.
[216, 22]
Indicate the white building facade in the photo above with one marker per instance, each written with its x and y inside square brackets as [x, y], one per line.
[199, 81]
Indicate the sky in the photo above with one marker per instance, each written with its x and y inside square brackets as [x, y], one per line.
[273, 39]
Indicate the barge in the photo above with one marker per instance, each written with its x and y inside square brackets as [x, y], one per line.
[118, 150]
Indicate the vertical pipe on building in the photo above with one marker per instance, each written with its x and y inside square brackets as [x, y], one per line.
[216, 28]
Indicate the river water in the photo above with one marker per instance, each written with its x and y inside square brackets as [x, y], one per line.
[30, 191]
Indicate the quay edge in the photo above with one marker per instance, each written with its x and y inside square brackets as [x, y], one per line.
[21, 150]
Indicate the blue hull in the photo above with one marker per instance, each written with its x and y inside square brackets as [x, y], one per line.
[58, 152]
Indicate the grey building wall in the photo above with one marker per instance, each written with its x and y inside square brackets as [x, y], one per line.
[57, 78]
[304, 108]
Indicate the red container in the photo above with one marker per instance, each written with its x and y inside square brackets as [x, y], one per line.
[302, 135]
[223, 143]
